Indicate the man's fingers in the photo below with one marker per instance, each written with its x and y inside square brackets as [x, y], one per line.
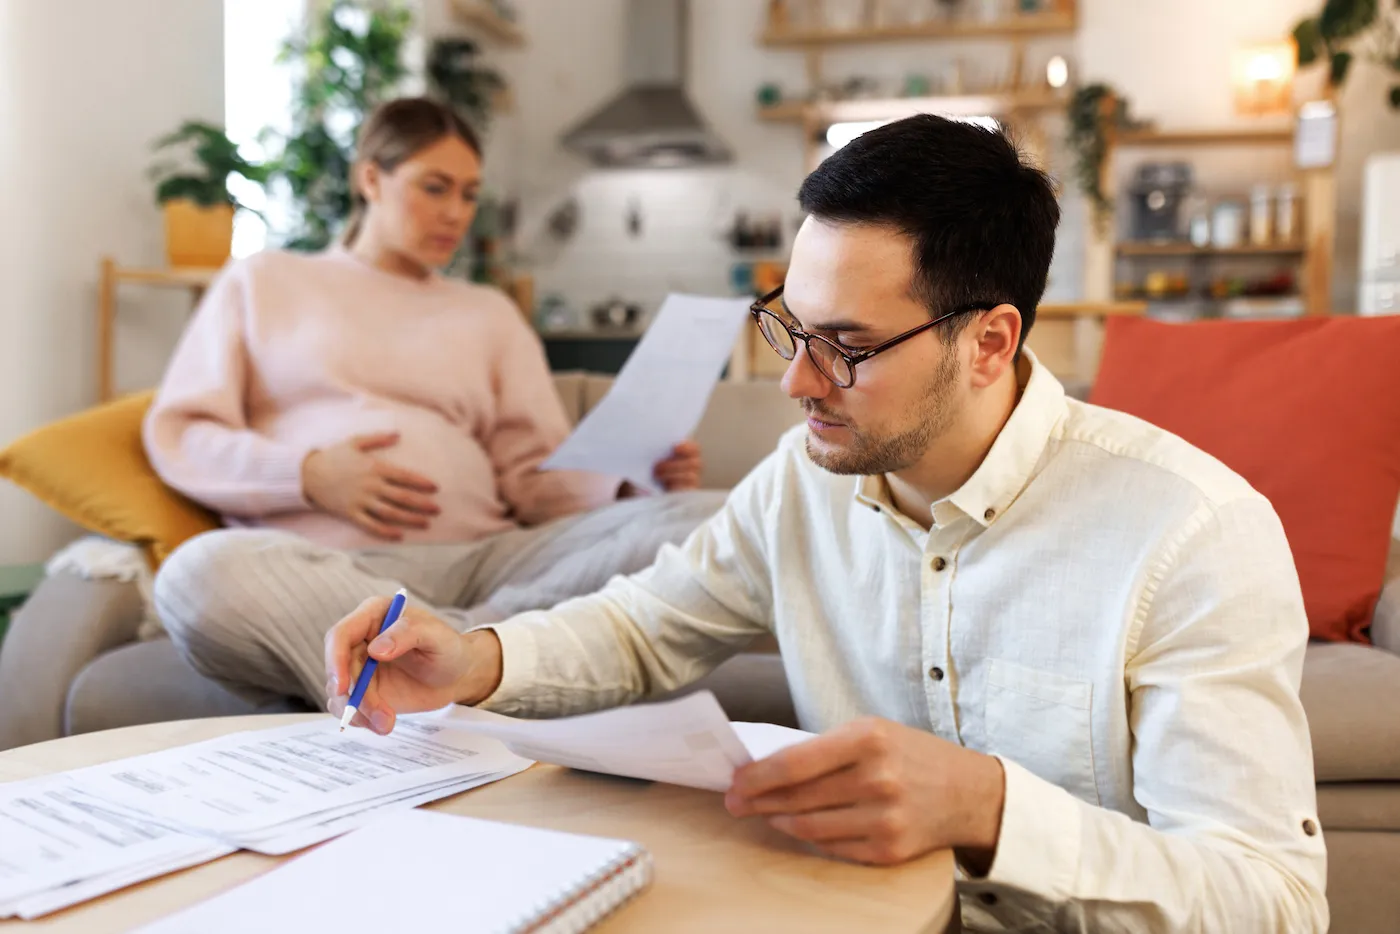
[376, 711]
[867, 850]
[375, 441]
[687, 448]
[833, 790]
[833, 824]
[353, 631]
[408, 634]
[405, 478]
[794, 765]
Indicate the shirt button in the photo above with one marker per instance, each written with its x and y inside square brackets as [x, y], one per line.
[1310, 827]
[936, 673]
[987, 898]
[989, 515]
[939, 564]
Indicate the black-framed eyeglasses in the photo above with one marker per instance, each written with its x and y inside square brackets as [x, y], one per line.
[833, 361]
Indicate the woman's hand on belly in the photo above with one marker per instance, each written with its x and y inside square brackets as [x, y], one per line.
[349, 481]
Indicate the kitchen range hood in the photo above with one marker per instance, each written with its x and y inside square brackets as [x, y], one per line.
[652, 122]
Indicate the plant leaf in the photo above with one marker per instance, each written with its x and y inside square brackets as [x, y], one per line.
[1307, 35]
[1341, 62]
[1342, 19]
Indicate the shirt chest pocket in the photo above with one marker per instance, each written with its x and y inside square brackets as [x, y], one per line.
[1042, 721]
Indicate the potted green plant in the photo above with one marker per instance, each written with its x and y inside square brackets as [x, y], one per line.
[1345, 29]
[457, 73]
[194, 193]
[348, 60]
[1094, 112]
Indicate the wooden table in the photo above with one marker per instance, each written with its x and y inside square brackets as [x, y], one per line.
[713, 872]
[195, 280]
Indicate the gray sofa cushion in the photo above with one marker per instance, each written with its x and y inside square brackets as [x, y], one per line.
[750, 687]
[65, 623]
[1359, 806]
[1351, 694]
[150, 682]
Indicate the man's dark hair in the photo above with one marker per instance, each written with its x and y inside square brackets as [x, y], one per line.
[982, 221]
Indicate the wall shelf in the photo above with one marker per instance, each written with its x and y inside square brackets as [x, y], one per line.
[825, 113]
[1313, 251]
[488, 22]
[1228, 136]
[1025, 26]
[1186, 249]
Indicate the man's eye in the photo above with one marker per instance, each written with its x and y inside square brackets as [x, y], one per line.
[435, 189]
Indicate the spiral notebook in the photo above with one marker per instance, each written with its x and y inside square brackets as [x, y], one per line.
[423, 872]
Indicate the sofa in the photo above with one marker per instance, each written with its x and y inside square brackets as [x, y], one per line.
[72, 663]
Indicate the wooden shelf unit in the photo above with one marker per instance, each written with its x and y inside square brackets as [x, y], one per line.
[1317, 188]
[1023, 26]
[110, 275]
[821, 114]
[1019, 102]
[1129, 248]
[1229, 136]
[488, 22]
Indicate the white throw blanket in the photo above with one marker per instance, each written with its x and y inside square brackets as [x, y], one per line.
[98, 558]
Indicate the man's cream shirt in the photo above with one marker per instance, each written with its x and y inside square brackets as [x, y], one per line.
[1110, 611]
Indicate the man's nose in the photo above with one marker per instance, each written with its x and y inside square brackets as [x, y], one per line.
[802, 379]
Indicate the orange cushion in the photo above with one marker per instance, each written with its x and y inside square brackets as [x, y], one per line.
[92, 468]
[1308, 411]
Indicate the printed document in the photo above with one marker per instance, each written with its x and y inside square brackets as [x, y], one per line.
[660, 394]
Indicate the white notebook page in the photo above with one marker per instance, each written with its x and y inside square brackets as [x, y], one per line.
[416, 871]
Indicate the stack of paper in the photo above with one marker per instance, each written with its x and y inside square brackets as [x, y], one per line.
[71, 837]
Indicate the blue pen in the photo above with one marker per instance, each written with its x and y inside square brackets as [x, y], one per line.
[362, 683]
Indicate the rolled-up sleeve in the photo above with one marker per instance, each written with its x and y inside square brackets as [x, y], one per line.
[652, 632]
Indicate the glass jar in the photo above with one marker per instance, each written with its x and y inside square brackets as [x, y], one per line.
[1227, 225]
[1286, 213]
[1261, 201]
[1196, 212]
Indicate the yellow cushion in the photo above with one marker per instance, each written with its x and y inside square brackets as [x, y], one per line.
[92, 468]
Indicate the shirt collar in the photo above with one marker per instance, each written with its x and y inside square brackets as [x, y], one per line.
[1006, 469]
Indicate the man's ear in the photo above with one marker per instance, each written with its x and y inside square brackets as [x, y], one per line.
[996, 335]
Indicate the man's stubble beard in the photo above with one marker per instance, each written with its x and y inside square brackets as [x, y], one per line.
[869, 455]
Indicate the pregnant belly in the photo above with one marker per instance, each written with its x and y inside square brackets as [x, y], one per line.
[429, 446]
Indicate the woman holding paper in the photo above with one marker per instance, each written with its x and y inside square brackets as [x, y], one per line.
[367, 423]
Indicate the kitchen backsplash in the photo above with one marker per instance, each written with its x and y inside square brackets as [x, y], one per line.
[639, 234]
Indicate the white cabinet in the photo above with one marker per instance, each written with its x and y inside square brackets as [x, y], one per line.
[1379, 288]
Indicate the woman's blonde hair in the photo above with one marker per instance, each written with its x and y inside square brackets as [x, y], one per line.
[395, 132]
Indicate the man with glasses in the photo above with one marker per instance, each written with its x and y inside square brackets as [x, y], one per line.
[1058, 640]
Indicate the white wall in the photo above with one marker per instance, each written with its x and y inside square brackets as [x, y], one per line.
[85, 86]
